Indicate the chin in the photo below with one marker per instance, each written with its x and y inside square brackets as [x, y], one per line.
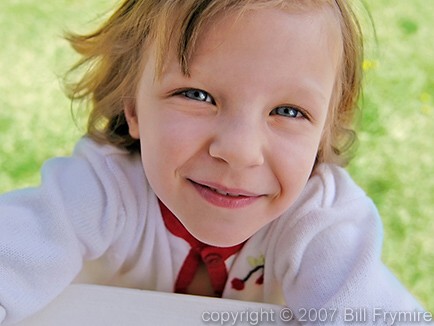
[219, 239]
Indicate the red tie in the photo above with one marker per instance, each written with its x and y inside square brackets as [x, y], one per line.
[213, 257]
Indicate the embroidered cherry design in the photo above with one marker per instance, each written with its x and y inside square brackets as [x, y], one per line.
[260, 280]
[258, 264]
[237, 284]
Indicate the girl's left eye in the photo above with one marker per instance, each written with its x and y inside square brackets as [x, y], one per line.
[197, 95]
[287, 111]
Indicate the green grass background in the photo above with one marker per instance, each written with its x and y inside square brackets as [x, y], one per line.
[395, 158]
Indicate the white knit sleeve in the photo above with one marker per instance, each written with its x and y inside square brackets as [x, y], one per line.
[47, 231]
[335, 258]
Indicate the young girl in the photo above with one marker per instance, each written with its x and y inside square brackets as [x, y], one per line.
[211, 164]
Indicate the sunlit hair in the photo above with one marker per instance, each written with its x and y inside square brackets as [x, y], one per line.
[112, 62]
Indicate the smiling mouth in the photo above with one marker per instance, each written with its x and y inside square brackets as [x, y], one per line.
[226, 198]
[223, 191]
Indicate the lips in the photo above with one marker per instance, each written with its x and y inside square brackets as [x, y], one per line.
[224, 197]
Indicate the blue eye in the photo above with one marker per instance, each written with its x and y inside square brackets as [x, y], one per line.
[287, 111]
[198, 95]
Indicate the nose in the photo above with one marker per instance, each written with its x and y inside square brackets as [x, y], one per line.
[239, 142]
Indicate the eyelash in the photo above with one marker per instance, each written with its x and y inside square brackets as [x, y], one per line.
[286, 111]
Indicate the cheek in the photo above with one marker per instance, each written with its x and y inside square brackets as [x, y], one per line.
[167, 141]
[292, 162]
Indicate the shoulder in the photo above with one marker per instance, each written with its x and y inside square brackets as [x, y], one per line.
[110, 161]
[329, 194]
[94, 152]
[329, 186]
[333, 214]
[97, 175]
[100, 188]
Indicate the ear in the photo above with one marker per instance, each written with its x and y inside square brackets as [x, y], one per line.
[132, 119]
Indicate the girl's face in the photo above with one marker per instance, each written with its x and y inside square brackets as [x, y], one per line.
[231, 147]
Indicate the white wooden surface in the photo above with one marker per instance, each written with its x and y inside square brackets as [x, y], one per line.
[81, 305]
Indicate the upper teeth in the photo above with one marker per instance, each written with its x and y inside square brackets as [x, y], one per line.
[225, 193]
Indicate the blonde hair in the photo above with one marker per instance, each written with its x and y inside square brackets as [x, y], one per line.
[112, 62]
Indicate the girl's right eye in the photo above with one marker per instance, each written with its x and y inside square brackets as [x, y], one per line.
[197, 95]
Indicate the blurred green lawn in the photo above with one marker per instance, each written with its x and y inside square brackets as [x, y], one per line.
[394, 161]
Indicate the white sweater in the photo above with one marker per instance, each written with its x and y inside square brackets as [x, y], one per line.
[95, 219]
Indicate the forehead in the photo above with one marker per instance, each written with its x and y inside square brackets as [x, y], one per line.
[283, 40]
[317, 24]
[178, 30]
